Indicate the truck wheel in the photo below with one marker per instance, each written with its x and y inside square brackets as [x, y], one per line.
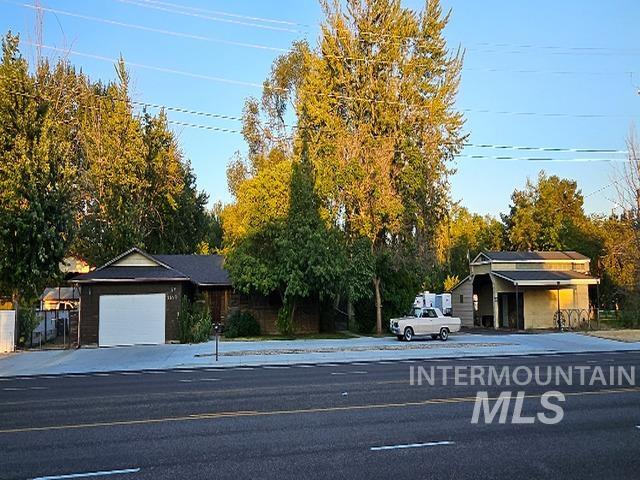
[408, 334]
[444, 334]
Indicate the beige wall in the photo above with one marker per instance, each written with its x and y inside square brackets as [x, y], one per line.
[540, 305]
[582, 267]
[135, 260]
[463, 309]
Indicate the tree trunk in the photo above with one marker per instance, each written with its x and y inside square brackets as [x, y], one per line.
[291, 318]
[376, 286]
[350, 313]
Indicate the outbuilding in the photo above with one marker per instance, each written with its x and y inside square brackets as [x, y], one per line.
[526, 290]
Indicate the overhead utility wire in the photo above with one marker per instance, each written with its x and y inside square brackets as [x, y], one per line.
[149, 29]
[284, 50]
[184, 9]
[476, 157]
[209, 17]
[214, 78]
[226, 14]
[240, 119]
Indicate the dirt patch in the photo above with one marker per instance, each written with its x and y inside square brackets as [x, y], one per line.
[414, 346]
[619, 335]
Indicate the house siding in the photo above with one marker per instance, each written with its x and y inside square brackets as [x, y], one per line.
[90, 305]
[464, 309]
[540, 305]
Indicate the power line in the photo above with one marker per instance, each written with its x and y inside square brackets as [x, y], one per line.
[548, 114]
[604, 50]
[545, 149]
[149, 29]
[227, 14]
[539, 159]
[142, 4]
[240, 119]
[220, 79]
[283, 50]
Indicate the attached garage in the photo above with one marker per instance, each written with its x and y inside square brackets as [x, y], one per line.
[135, 298]
[132, 319]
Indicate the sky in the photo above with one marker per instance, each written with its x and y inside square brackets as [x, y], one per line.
[544, 74]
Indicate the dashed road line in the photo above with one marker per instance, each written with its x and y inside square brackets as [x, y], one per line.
[410, 445]
[102, 473]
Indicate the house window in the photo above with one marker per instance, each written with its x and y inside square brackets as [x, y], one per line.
[461, 298]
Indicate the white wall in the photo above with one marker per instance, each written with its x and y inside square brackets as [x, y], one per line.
[7, 331]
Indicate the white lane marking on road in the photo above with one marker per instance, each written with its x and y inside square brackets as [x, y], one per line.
[305, 366]
[360, 372]
[360, 364]
[244, 368]
[186, 371]
[275, 367]
[410, 445]
[101, 374]
[13, 389]
[130, 373]
[637, 426]
[37, 388]
[191, 380]
[407, 361]
[90, 474]
[383, 362]
[338, 373]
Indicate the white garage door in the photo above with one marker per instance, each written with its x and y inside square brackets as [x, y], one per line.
[131, 319]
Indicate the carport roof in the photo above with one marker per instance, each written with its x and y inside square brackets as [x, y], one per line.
[534, 256]
[545, 277]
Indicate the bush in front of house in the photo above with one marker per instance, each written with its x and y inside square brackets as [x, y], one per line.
[194, 321]
[27, 322]
[241, 324]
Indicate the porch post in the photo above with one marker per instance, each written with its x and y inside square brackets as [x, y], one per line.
[558, 295]
[494, 298]
[517, 308]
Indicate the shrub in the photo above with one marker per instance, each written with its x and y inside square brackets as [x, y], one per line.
[242, 324]
[194, 321]
[27, 322]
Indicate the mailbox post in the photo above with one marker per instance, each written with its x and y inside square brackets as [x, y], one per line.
[217, 329]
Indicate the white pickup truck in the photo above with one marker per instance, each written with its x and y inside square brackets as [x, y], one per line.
[424, 321]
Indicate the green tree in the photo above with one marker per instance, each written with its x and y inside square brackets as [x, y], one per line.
[136, 187]
[38, 165]
[376, 109]
[547, 215]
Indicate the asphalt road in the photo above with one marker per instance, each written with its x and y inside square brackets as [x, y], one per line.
[331, 421]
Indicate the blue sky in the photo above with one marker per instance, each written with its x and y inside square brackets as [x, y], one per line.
[571, 57]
